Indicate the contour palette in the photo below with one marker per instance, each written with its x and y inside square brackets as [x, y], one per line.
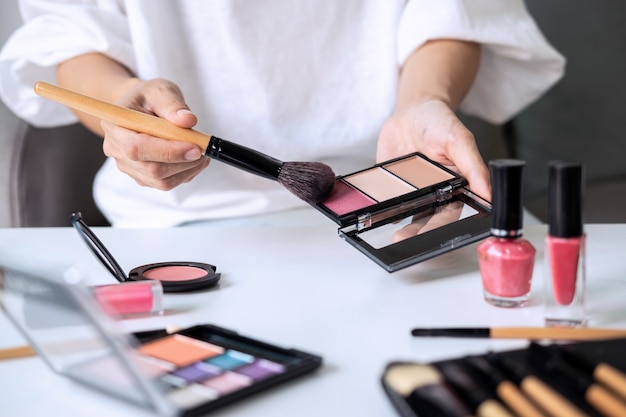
[385, 184]
[204, 367]
[424, 207]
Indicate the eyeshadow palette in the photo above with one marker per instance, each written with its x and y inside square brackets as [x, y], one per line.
[205, 367]
[406, 210]
[187, 373]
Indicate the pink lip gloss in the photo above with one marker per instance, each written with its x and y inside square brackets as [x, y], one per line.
[130, 298]
[505, 259]
[564, 280]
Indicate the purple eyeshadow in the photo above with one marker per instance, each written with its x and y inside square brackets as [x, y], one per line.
[261, 369]
[345, 198]
[197, 372]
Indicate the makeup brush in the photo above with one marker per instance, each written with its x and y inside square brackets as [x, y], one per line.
[479, 400]
[424, 389]
[573, 380]
[504, 388]
[17, 352]
[309, 181]
[26, 351]
[541, 393]
[602, 372]
[532, 333]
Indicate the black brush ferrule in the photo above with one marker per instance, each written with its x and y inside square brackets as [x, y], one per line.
[244, 158]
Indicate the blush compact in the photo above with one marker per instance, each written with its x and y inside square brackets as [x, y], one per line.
[173, 276]
[406, 210]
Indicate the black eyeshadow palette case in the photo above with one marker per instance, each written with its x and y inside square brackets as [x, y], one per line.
[406, 210]
[585, 378]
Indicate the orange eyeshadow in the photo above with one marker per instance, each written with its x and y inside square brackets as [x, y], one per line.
[180, 350]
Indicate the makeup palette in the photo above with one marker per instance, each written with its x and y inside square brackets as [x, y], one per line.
[187, 373]
[406, 210]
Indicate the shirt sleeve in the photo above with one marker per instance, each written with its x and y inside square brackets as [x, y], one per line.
[517, 63]
[54, 31]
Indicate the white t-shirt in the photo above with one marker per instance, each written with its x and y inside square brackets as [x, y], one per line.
[297, 80]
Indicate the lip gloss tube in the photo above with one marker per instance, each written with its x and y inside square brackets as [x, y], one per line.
[506, 260]
[564, 278]
[131, 298]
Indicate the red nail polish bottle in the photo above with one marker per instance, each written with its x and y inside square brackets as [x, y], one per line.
[506, 260]
[564, 278]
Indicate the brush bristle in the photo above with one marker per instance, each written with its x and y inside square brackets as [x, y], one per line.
[310, 181]
[407, 377]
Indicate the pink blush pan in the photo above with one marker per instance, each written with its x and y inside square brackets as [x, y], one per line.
[174, 273]
[344, 198]
[178, 276]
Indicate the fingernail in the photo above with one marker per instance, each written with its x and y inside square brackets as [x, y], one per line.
[193, 155]
[184, 112]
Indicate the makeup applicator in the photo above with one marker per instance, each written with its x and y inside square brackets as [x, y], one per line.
[309, 181]
[424, 390]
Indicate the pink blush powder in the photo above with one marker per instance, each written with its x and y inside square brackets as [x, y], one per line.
[175, 273]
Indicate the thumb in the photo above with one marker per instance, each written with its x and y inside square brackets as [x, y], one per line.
[479, 183]
[166, 100]
[182, 117]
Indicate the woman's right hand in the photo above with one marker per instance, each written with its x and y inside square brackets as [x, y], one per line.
[149, 160]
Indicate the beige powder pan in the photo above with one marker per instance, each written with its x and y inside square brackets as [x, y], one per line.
[379, 184]
[418, 171]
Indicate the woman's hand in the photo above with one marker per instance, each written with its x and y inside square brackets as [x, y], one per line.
[149, 160]
[433, 81]
[433, 129]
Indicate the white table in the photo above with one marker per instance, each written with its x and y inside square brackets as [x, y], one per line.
[298, 284]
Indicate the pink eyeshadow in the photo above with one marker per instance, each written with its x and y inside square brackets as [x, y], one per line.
[344, 199]
[228, 382]
[175, 273]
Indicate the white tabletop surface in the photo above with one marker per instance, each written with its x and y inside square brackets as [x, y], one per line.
[296, 283]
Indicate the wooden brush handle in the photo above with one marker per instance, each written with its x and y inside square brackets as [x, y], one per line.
[122, 116]
[17, 352]
[556, 333]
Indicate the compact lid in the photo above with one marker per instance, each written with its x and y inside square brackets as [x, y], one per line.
[506, 189]
[565, 194]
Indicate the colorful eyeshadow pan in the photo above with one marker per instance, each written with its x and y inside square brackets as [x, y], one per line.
[192, 396]
[180, 350]
[379, 184]
[418, 171]
[261, 369]
[198, 371]
[228, 382]
[231, 359]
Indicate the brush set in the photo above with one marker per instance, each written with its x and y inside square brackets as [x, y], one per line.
[542, 380]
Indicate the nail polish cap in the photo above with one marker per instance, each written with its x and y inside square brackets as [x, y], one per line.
[506, 189]
[565, 195]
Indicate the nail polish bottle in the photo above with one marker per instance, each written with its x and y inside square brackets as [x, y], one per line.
[505, 259]
[564, 261]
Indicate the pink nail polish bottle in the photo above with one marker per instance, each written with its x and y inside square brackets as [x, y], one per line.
[505, 259]
[564, 278]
